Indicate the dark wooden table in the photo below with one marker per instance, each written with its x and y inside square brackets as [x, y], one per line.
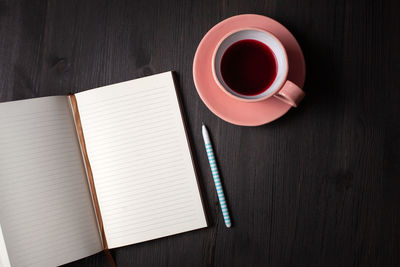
[318, 187]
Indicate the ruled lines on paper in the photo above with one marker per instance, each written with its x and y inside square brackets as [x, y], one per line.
[45, 206]
[140, 160]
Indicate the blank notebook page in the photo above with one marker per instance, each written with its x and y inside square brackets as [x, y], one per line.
[140, 158]
[46, 211]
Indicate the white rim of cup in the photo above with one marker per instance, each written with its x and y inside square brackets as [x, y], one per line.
[244, 96]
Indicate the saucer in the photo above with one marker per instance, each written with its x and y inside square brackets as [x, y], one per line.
[232, 110]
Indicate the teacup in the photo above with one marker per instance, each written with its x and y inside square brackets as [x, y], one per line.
[251, 65]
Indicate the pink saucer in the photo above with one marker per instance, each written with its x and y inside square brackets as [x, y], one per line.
[228, 108]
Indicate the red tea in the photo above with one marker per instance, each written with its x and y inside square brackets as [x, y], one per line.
[248, 67]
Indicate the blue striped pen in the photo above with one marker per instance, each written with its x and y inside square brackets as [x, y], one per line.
[215, 174]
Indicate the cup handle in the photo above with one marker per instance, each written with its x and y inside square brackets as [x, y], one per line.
[290, 94]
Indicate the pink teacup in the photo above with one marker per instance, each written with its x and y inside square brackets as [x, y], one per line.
[279, 86]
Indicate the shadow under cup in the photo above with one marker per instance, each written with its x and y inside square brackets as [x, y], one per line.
[250, 56]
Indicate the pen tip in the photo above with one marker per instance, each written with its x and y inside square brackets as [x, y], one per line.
[202, 123]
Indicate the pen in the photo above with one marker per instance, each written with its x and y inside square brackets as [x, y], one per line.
[215, 174]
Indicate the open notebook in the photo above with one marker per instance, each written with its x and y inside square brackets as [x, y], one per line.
[100, 169]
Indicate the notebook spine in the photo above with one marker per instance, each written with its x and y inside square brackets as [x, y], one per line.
[81, 138]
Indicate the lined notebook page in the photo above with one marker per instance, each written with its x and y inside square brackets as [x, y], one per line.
[140, 159]
[46, 212]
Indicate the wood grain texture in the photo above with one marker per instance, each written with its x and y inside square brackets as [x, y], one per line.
[318, 187]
